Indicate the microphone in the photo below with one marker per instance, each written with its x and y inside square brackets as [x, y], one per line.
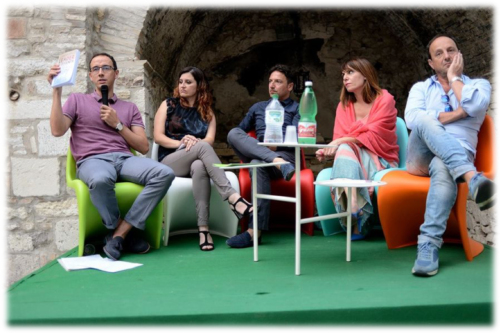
[104, 92]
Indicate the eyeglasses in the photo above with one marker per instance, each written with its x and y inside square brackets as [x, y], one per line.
[446, 100]
[104, 68]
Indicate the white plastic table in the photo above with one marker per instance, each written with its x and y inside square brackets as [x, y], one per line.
[349, 183]
[256, 195]
[297, 200]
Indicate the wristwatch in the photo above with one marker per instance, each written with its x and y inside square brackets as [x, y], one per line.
[456, 78]
[119, 127]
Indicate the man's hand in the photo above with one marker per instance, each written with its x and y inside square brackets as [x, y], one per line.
[109, 116]
[54, 70]
[452, 116]
[456, 67]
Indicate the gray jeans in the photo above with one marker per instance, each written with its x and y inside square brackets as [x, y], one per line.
[101, 172]
[248, 150]
[197, 163]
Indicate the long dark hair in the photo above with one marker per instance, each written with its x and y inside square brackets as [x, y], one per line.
[204, 97]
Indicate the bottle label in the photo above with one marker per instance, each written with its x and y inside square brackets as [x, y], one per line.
[307, 130]
[274, 117]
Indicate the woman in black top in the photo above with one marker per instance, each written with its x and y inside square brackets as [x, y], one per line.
[185, 130]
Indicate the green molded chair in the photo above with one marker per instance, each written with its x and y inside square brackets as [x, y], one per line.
[324, 202]
[90, 223]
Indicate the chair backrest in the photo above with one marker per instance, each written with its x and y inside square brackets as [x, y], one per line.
[154, 151]
[485, 156]
[253, 134]
[70, 167]
[402, 134]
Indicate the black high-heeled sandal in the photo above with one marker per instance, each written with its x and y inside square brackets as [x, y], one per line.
[206, 243]
[247, 210]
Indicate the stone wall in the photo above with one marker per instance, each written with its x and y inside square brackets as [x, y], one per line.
[42, 219]
[41, 213]
[234, 47]
[485, 226]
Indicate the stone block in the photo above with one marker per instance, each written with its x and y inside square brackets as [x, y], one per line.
[63, 208]
[16, 28]
[5, 158]
[17, 47]
[124, 94]
[20, 213]
[24, 11]
[29, 109]
[7, 185]
[35, 177]
[19, 129]
[66, 234]
[19, 243]
[29, 67]
[12, 226]
[52, 48]
[41, 238]
[72, 17]
[118, 41]
[21, 265]
[50, 145]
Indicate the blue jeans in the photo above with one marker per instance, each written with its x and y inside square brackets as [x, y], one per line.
[434, 152]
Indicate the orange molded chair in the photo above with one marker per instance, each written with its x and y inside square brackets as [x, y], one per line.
[401, 202]
[282, 214]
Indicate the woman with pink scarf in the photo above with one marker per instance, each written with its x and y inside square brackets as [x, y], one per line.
[364, 139]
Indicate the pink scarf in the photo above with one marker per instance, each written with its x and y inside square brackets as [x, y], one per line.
[378, 133]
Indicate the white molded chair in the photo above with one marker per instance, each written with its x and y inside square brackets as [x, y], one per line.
[180, 211]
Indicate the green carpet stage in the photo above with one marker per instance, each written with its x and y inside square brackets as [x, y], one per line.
[180, 285]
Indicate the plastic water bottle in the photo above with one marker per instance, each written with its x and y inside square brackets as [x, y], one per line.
[275, 116]
[307, 109]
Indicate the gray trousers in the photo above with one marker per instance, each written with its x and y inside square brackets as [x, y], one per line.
[197, 163]
[101, 172]
[248, 150]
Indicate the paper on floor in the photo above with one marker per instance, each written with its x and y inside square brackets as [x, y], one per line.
[96, 262]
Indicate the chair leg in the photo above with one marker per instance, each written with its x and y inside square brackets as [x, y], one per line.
[308, 228]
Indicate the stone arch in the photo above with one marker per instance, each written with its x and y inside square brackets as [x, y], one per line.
[234, 48]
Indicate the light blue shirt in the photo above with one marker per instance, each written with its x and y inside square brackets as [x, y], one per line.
[425, 99]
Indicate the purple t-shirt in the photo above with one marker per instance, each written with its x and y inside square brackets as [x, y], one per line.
[89, 134]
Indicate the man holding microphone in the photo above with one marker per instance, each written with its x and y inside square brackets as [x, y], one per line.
[101, 138]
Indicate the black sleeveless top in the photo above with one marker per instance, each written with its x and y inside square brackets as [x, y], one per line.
[181, 122]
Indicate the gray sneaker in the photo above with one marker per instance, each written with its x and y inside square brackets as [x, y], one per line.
[113, 248]
[132, 243]
[482, 191]
[427, 262]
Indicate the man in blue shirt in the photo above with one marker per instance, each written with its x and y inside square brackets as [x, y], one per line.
[248, 150]
[445, 113]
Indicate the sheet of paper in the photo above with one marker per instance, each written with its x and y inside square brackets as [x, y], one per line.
[96, 262]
